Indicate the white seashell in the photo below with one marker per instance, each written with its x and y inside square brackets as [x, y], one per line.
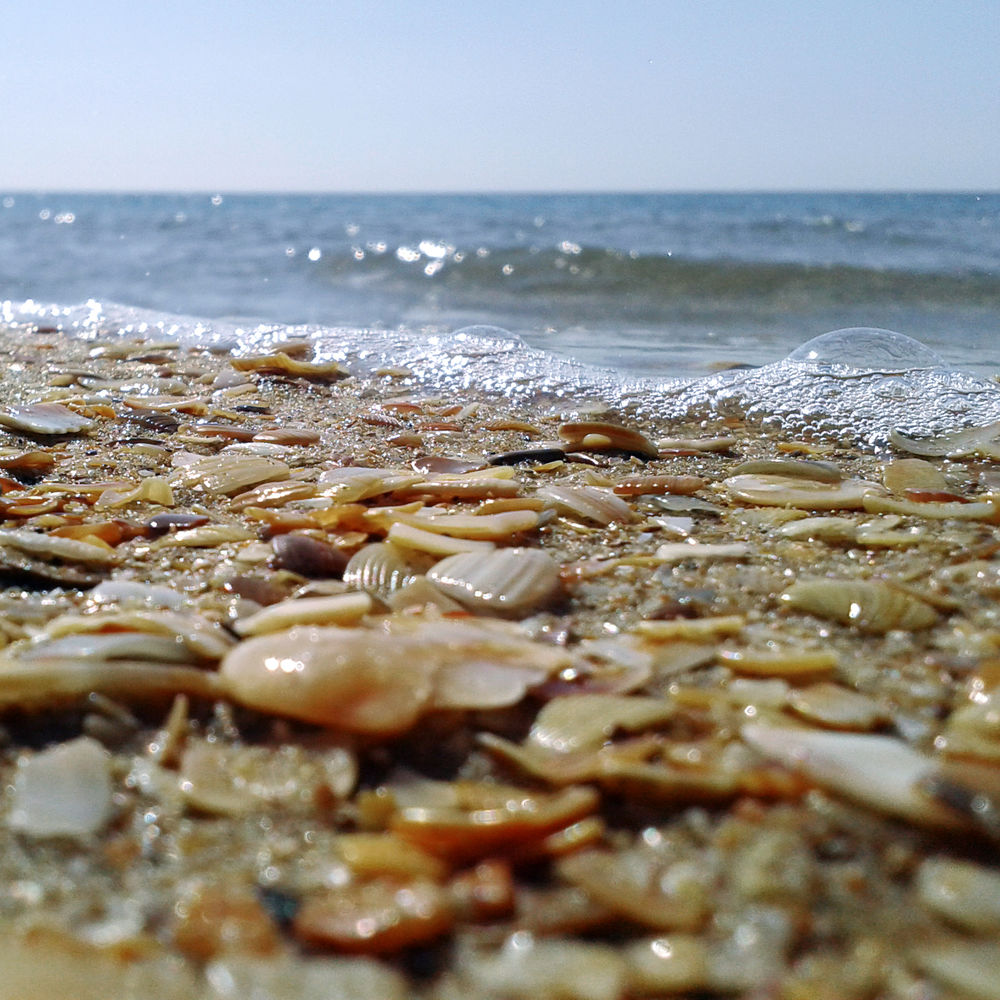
[880, 772]
[507, 581]
[379, 569]
[407, 536]
[697, 629]
[44, 418]
[952, 445]
[55, 547]
[964, 893]
[701, 552]
[821, 472]
[586, 721]
[63, 792]
[589, 503]
[229, 474]
[111, 646]
[340, 609]
[802, 494]
[480, 527]
[352, 483]
[970, 967]
[787, 662]
[840, 530]
[912, 474]
[982, 510]
[125, 592]
[837, 707]
[870, 605]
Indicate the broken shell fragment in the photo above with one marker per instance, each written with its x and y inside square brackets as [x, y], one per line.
[966, 894]
[870, 605]
[912, 474]
[280, 363]
[796, 492]
[589, 503]
[820, 472]
[229, 474]
[502, 581]
[44, 418]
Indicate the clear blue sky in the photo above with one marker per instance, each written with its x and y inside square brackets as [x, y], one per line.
[362, 95]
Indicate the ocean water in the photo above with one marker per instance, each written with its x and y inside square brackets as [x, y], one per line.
[625, 295]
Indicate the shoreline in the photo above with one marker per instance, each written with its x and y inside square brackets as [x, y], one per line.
[602, 682]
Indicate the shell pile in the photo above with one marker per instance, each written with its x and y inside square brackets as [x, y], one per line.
[321, 686]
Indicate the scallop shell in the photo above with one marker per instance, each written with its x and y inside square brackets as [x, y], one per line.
[505, 581]
[379, 569]
[870, 605]
[44, 418]
[229, 474]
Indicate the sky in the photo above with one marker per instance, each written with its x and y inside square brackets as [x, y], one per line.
[523, 95]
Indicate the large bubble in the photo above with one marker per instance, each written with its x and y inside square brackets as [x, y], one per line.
[865, 348]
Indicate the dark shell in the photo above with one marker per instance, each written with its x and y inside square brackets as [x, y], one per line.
[307, 556]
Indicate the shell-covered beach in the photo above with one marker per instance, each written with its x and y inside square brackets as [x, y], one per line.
[320, 681]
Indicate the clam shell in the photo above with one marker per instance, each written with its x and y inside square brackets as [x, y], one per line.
[595, 435]
[656, 485]
[820, 472]
[983, 510]
[280, 363]
[339, 609]
[506, 581]
[870, 605]
[44, 418]
[54, 547]
[585, 721]
[803, 494]
[786, 662]
[352, 483]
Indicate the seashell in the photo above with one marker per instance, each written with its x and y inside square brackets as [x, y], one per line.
[206, 536]
[970, 967]
[984, 510]
[539, 968]
[820, 472]
[408, 536]
[435, 464]
[880, 772]
[280, 363]
[213, 917]
[506, 581]
[904, 474]
[674, 552]
[966, 894]
[133, 592]
[229, 432]
[870, 605]
[789, 662]
[63, 792]
[421, 593]
[374, 681]
[710, 444]
[695, 629]
[256, 589]
[44, 418]
[375, 917]
[379, 569]
[644, 890]
[464, 820]
[589, 503]
[29, 463]
[203, 637]
[667, 965]
[468, 487]
[501, 526]
[339, 609]
[229, 474]
[656, 485]
[273, 495]
[837, 530]
[599, 436]
[288, 436]
[352, 483]
[53, 547]
[586, 721]
[803, 494]
[373, 854]
[285, 976]
[237, 780]
[112, 646]
[307, 556]
[535, 456]
[837, 707]
[980, 440]
[677, 504]
[165, 404]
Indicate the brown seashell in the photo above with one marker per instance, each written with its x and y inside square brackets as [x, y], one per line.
[503, 581]
[377, 917]
[820, 472]
[161, 523]
[308, 556]
[229, 432]
[30, 463]
[596, 435]
[280, 363]
[837, 707]
[658, 485]
[533, 455]
[870, 605]
[288, 436]
[213, 920]
[44, 418]
[255, 588]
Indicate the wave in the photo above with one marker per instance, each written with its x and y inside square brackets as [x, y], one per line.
[594, 282]
[857, 384]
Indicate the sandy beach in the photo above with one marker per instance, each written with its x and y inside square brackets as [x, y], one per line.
[333, 685]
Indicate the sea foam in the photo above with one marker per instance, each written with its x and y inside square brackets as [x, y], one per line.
[855, 385]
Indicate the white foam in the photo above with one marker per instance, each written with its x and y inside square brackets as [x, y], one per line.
[858, 384]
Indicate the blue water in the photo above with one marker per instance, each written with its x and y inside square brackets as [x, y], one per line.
[660, 285]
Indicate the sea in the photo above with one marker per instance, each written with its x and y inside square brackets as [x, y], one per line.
[657, 300]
